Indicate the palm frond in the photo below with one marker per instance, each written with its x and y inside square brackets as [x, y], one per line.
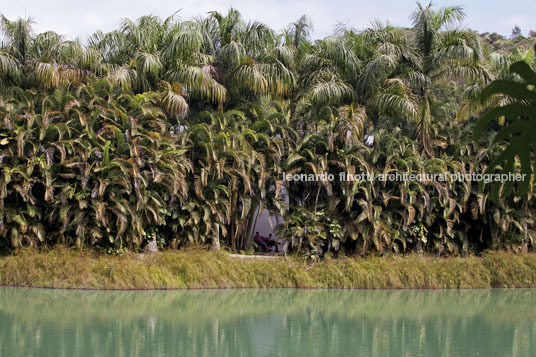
[173, 99]
[376, 71]
[186, 42]
[395, 105]
[9, 66]
[329, 92]
[124, 77]
[249, 76]
[200, 82]
[148, 63]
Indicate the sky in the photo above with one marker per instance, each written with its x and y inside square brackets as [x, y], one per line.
[80, 18]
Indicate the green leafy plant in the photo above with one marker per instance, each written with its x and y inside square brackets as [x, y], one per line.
[520, 130]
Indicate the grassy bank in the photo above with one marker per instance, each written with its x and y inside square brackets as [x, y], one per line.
[65, 268]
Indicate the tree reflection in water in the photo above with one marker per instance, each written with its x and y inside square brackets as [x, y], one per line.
[267, 322]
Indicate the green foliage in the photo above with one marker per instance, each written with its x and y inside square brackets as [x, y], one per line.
[179, 132]
[121, 251]
[90, 172]
[520, 130]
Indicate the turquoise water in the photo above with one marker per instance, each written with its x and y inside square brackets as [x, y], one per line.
[273, 322]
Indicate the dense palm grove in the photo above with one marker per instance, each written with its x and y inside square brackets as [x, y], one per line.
[181, 131]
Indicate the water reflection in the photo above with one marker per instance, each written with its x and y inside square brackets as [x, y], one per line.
[276, 322]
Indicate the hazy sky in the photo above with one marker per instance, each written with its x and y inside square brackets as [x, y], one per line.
[79, 18]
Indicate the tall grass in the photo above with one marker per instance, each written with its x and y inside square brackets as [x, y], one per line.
[66, 268]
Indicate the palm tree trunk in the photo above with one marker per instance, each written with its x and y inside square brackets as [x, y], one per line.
[251, 224]
[317, 195]
[424, 134]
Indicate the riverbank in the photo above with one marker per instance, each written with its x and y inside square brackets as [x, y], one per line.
[195, 269]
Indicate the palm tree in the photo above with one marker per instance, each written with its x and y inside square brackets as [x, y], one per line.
[46, 60]
[402, 73]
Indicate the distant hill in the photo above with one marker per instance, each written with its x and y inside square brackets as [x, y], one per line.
[497, 42]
